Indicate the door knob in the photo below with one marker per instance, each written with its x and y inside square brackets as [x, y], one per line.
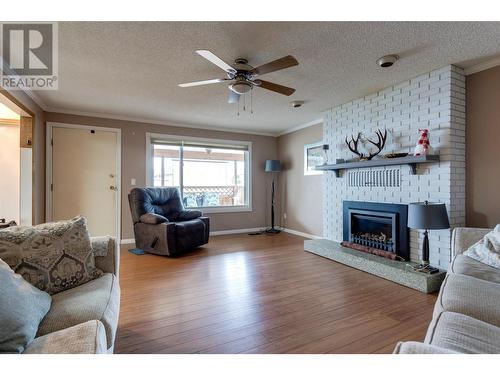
[113, 188]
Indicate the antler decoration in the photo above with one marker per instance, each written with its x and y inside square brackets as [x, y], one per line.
[379, 144]
[353, 144]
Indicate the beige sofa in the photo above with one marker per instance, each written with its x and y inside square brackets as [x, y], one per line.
[466, 316]
[84, 319]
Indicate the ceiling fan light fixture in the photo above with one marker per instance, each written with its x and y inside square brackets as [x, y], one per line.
[241, 87]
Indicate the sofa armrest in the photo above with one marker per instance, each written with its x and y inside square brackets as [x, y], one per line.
[84, 338]
[157, 239]
[189, 215]
[413, 347]
[463, 238]
[107, 255]
[151, 218]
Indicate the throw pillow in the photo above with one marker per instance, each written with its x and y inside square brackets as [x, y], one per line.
[22, 308]
[487, 250]
[52, 257]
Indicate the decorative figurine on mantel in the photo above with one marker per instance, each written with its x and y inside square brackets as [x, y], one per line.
[423, 146]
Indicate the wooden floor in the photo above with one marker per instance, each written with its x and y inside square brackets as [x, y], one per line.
[262, 294]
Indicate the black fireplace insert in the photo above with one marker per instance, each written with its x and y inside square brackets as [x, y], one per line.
[381, 226]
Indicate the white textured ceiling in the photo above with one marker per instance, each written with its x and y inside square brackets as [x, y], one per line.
[131, 69]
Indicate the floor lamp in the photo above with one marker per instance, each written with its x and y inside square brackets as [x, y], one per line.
[272, 166]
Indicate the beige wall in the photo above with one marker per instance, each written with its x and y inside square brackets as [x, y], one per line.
[38, 154]
[483, 148]
[300, 196]
[10, 165]
[134, 166]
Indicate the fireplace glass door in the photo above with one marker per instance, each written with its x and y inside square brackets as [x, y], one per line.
[375, 230]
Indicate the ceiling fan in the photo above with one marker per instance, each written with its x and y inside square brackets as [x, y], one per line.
[242, 77]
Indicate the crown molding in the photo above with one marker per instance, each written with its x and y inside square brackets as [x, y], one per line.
[156, 122]
[482, 66]
[302, 126]
[36, 99]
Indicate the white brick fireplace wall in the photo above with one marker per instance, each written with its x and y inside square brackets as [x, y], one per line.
[434, 100]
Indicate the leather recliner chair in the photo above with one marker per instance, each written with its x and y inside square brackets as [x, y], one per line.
[161, 223]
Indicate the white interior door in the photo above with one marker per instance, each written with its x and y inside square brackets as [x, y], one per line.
[85, 174]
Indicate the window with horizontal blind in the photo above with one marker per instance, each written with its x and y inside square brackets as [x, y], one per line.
[213, 175]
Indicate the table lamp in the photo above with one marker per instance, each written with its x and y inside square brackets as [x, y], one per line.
[427, 216]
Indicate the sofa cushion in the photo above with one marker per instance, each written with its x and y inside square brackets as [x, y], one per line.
[465, 265]
[22, 307]
[467, 295]
[98, 299]
[487, 250]
[84, 338]
[52, 257]
[413, 347]
[165, 201]
[461, 333]
[463, 238]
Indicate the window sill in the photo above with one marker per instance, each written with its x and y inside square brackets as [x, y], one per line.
[216, 210]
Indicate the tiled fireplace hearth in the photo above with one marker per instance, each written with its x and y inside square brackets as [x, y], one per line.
[434, 101]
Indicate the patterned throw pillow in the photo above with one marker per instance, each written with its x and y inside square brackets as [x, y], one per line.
[52, 257]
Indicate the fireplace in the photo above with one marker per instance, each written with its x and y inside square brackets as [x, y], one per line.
[378, 226]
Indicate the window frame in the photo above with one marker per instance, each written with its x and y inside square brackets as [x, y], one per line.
[225, 142]
[308, 146]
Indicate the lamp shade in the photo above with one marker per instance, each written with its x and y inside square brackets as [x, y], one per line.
[273, 166]
[425, 215]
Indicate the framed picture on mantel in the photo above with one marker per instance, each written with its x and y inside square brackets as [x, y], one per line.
[313, 156]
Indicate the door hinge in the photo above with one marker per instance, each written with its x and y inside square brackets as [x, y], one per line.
[51, 187]
[52, 141]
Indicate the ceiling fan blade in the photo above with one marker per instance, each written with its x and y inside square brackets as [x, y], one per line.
[233, 97]
[200, 83]
[283, 63]
[284, 90]
[216, 60]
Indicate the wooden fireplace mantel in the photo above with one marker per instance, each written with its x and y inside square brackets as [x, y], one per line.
[412, 161]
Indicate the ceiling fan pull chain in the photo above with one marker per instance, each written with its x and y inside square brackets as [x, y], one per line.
[238, 107]
[251, 101]
[244, 102]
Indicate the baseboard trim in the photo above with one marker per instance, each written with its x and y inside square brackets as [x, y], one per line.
[127, 241]
[301, 234]
[235, 231]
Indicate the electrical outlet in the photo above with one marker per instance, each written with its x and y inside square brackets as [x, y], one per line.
[132, 181]
[284, 216]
